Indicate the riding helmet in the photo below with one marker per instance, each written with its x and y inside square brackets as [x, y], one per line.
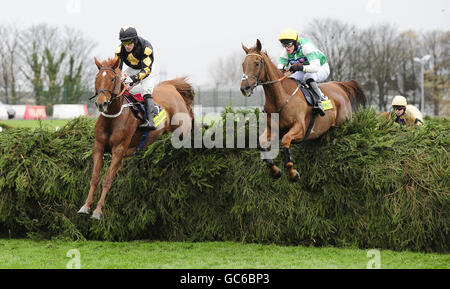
[399, 101]
[127, 33]
[288, 36]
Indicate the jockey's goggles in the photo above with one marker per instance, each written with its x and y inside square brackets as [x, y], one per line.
[287, 44]
[128, 42]
[398, 107]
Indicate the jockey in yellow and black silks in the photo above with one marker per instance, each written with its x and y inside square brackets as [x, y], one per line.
[137, 54]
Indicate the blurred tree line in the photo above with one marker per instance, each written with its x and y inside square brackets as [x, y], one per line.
[51, 65]
[380, 57]
[47, 63]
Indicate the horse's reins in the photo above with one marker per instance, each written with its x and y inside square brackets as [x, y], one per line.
[257, 83]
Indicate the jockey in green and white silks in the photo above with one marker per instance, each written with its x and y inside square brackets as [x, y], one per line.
[308, 64]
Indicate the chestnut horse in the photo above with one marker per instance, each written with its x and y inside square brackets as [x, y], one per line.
[116, 130]
[282, 96]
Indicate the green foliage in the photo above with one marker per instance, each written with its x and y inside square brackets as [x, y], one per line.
[52, 69]
[73, 83]
[35, 63]
[369, 183]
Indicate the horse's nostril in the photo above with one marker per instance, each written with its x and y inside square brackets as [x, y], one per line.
[102, 107]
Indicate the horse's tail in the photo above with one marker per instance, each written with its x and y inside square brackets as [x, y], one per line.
[186, 91]
[355, 93]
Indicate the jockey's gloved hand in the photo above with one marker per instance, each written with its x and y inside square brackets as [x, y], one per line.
[128, 80]
[295, 68]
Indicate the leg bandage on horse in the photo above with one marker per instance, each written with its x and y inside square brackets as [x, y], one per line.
[266, 157]
[287, 156]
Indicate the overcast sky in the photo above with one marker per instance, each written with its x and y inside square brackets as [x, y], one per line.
[188, 35]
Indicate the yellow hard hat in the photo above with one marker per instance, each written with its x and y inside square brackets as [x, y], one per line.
[399, 101]
[289, 34]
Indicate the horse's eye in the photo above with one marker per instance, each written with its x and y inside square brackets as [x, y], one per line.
[112, 79]
[257, 63]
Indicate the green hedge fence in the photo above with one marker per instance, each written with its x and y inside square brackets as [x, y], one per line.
[369, 183]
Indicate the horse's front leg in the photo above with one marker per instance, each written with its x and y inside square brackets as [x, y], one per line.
[264, 140]
[295, 132]
[97, 156]
[289, 164]
[118, 153]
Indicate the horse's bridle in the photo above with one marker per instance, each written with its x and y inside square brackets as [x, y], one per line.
[114, 96]
[257, 81]
[261, 67]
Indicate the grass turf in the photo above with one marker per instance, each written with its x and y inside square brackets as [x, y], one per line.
[27, 254]
[54, 123]
[51, 124]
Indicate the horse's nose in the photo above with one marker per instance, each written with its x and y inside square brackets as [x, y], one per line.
[245, 89]
[102, 107]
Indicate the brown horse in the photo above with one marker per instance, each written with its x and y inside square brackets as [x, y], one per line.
[282, 96]
[116, 130]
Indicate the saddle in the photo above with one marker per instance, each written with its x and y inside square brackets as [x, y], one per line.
[138, 102]
[139, 111]
[308, 93]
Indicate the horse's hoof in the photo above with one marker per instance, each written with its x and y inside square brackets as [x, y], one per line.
[96, 216]
[84, 210]
[276, 175]
[294, 178]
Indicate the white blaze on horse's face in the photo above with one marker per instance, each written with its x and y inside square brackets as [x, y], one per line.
[104, 87]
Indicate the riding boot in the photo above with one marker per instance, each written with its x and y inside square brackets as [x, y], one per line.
[317, 107]
[151, 111]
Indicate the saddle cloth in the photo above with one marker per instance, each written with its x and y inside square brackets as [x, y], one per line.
[139, 106]
[133, 97]
[308, 93]
[138, 110]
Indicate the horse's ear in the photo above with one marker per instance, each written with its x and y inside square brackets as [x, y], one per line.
[258, 45]
[99, 65]
[245, 48]
[116, 62]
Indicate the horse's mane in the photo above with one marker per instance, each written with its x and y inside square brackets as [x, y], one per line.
[108, 62]
[268, 61]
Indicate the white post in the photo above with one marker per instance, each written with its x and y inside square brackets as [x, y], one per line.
[422, 95]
